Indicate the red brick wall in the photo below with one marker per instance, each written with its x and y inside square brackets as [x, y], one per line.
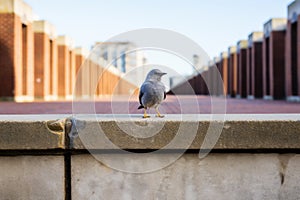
[288, 61]
[266, 67]
[242, 73]
[93, 78]
[99, 87]
[79, 59]
[224, 63]
[29, 61]
[72, 66]
[85, 78]
[233, 74]
[277, 63]
[298, 54]
[218, 78]
[249, 71]
[10, 56]
[257, 71]
[292, 62]
[53, 68]
[16, 57]
[41, 65]
[63, 71]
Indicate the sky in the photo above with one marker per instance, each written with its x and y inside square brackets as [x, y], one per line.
[213, 24]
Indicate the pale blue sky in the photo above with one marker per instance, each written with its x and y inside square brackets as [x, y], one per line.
[213, 24]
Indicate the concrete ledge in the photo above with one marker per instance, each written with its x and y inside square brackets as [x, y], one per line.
[224, 54]
[242, 44]
[293, 10]
[32, 132]
[274, 24]
[255, 37]
[82, 51]
[240, 132]
[46, 27]
[64, 40]
[232, 50]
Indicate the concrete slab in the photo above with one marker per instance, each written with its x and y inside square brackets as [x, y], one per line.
[32, 177]
[43, 132]
[291, 171]
[218, 176]
[237, 132]
[32, 132]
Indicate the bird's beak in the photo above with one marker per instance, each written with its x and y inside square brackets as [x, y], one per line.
[163, 73]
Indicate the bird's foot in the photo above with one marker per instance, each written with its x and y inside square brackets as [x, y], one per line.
[159, 115]
[146, 116]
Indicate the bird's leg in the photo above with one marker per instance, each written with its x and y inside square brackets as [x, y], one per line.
[158, 113]
[145, 114]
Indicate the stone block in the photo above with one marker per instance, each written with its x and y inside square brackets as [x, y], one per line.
[32, 132]
[32, 177]
[244, 132]
[290, 183]
[218, 176]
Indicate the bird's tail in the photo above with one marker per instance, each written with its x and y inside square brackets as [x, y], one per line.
[141, 106]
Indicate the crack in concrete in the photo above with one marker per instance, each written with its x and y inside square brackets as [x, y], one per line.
[283, 161]
[73, 126]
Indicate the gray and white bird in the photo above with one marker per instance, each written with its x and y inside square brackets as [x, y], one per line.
[152, 92]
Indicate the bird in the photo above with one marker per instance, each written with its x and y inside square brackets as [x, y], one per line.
[152, 92]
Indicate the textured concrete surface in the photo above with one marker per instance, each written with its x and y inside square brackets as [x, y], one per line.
[291, 171]
[32, 177]
[41, 132]
[238, 131]
[18, 132]
[172, 105]
[218, 176]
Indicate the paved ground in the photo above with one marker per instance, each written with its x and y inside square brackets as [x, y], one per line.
[172, 105]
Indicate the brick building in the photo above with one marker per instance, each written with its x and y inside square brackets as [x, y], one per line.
[45, 60]
[242, 46]
[267, 65]
[35, 64]
[16, 51]
[232, 71]
[64, 56]
[80, 55]
[254, 66]
[292, 62]
[224, 71]
[218, 83]
[274, 59]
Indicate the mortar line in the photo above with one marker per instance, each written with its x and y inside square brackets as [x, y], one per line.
[67, 165]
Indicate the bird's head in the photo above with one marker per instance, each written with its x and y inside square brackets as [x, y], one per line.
[155, 74]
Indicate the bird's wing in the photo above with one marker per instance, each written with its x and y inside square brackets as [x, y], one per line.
[140, 97]
[142, 91]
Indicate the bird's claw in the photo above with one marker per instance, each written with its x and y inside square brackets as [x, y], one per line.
[161, 116]
[146, 116]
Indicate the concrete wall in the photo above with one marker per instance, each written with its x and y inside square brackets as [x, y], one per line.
[256, 157]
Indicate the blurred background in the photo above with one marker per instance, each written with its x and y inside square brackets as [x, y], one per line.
[59, 51]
